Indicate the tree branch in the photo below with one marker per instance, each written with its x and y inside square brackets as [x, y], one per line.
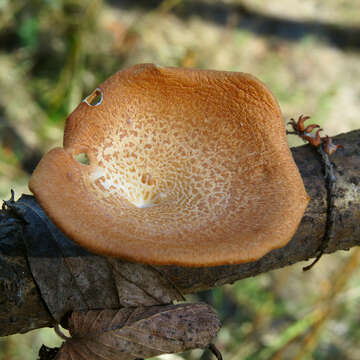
[25, 298]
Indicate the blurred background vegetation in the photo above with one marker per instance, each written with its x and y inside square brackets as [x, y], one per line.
[54, 52]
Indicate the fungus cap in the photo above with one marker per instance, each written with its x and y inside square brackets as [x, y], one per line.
[186, 167]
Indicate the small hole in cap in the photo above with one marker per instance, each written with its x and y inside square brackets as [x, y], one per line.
[95, 98]
[82, 158]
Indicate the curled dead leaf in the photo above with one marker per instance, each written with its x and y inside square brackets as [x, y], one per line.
[141, 332]
[76, 279]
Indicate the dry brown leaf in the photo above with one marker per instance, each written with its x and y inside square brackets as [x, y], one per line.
[142, 332]
[76, 279]
[141, 285]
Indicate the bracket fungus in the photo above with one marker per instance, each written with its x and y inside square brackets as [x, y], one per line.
[184, 167]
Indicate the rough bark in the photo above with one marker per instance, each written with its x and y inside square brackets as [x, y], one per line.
[25, 304]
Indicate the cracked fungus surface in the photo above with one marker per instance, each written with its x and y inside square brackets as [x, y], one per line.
[180, 170]
[188, 182]
[170, 171]
[185, 166]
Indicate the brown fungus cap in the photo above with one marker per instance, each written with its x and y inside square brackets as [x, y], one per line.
[186, 167]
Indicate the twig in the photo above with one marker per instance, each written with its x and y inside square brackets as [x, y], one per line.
[325, 148]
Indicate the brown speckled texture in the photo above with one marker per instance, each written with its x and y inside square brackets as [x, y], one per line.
[187, 167]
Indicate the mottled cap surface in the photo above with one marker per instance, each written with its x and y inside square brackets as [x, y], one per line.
[185, 167]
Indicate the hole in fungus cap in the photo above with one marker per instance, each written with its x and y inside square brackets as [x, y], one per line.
[188, 167]
[95, 98]
[82, 158]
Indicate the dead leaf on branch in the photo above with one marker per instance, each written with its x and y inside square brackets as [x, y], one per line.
[142, 332]
[71, 278]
